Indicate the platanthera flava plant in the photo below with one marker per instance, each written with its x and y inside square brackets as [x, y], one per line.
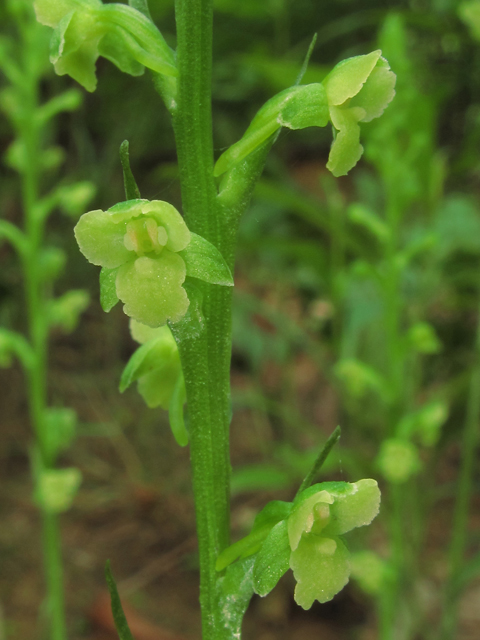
[174, 277]
[24, 63]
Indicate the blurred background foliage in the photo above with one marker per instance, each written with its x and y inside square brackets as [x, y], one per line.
[356, 304]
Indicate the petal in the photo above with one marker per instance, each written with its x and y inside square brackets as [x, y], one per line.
[157, 387]
[50, 12]
[113, 47]
[347, 78]
[321, 568]
[167, 216]
[346, 150]
[142, 334]
[100, 239]
[125, 211]
[355, 508]
[377, 92]
[151, 289]
[302, 517]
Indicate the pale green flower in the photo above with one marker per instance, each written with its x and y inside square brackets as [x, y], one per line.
[141, 240]
[87, 29]
[156, 368]
[319, 559]
[305, 536]
[358, 90]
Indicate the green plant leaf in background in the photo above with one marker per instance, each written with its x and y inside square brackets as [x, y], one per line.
[121, 624]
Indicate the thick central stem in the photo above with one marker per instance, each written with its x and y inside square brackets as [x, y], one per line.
[205, 356]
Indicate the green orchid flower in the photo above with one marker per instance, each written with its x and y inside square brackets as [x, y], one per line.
[141, 240]
[155, 365]
[358, 90]
[305, 536]
[156, 368]
[87, 29]
[319, 559]
[146, 252]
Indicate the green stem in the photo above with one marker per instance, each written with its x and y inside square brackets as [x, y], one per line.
[206, 357]
[54, 576]
[29, 134]
[464, 492]
[393, 591]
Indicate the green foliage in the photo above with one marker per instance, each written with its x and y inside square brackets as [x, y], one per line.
[121, 624]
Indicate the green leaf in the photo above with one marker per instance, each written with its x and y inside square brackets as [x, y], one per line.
[304, 66]
[67, 101]
[242, 549]
[121, 624]
[108, 290]
[192, 324]
[131, 189]
[296, 107]
[14, 235]
[13, 343]
[364, 217]
[235, 592]
[272, 513]
[175, 412]
[320, 459]
[273, 559]
[205, 262]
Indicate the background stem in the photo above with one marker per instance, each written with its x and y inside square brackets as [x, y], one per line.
[35, 296]
[464, 491]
